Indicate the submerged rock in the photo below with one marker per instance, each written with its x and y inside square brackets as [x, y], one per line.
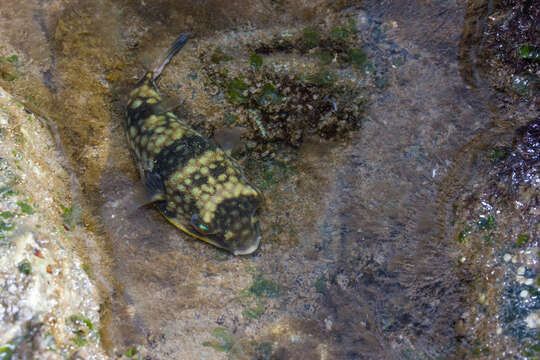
[49, 305]
[500, 41]
[494, 222]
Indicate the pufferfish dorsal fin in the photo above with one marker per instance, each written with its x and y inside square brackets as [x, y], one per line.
[229, 138]
[154, 186]
[166, 105]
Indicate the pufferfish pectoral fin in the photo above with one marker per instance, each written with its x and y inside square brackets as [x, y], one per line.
[145, 194]
[154, 186]
[229, 139]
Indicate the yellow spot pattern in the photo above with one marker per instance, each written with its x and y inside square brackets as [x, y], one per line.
[136, 103]
[165, 135]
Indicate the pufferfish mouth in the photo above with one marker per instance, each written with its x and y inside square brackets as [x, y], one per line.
[249, 249]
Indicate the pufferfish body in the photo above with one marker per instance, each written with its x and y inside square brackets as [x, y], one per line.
[193, 182]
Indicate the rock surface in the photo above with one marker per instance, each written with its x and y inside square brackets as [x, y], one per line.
[48, 302]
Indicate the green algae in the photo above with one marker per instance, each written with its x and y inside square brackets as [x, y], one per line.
[83, 330]
[263, 351]
[324, 56]
[480, 350]
[86, 268]
[498, 154]
[532, 351]
[79, 340]
[264, 288]
[256, 298]
[25, 208]
[529, 52]
[486, 223]
[274, 172]
[310, 38]
[236, 91]
[357, 57]
[8, 192]
[6, 214]
[381, 82]
[16, 346]
[7, 351]
[6, 226]
[522, 239]
[462, 235]
[339, 33]
[323, 78]
[71, 216]
[13, 59]
[256, 61]
[81, 320]
[522, 84]
[320, 284]
[25, 267]
[131, 352]
[269, 96]
[352, 26]
[225, 341]
[255, 312]
[229, 119]
[9, 68]
[489, 239]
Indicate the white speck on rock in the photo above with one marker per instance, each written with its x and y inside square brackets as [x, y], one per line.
[342, 281]
[328, 324]
[533, 320]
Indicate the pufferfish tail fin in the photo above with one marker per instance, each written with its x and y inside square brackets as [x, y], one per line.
[167, 56]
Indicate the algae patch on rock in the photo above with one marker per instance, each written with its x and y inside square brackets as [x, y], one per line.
[277, 90]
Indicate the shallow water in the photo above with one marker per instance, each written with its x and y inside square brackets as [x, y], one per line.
[356, 261]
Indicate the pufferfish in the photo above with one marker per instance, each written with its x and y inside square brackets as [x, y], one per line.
[193, 182]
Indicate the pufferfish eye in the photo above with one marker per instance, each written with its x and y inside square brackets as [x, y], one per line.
[200, 226]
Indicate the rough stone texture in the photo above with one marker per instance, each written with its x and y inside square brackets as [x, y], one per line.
[43, 283]
[490, 47]
[494, 222]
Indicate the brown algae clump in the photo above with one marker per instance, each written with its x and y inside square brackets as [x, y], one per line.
[281, 101]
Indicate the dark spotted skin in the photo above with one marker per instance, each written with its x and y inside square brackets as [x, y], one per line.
[194, 183]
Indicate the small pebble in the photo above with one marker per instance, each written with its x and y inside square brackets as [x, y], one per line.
[499, 330]
[529, 281]
[524, 293]
[533, 320]
[521, 270]
[507, 257]
[328, 324]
